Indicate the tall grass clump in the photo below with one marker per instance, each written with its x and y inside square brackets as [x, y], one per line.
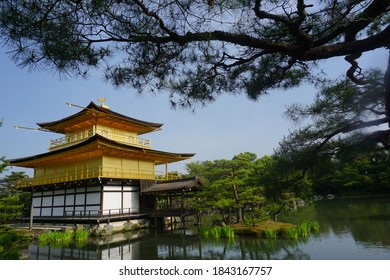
[44, 238]
[204, 231]
[314, 227]
[59, 238]
[217, 232]
[304, 230]
[292, 233]
[56, 238]
[227, 232]
[301, 231]
[81, 237]
[270, 234]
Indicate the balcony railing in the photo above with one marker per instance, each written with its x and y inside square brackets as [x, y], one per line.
[105, 213]
[116, 136]
[100, 172]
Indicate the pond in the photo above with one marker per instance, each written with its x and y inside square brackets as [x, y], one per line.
[349, 229]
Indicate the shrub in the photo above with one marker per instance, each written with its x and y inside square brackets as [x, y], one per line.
[10, 243]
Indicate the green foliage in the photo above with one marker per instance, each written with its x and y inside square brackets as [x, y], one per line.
[9, 243]
[229, 186]
[10, 208]
[11, 190]
[339, 126]
[254, 189]
[252, 48]
[3, 164]
[356, 174]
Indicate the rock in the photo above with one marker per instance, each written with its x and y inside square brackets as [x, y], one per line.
[78, 227]
[218, 223]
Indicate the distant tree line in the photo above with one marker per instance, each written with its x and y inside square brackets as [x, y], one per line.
[250, 189]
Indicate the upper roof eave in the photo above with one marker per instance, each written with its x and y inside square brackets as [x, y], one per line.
[52, 126]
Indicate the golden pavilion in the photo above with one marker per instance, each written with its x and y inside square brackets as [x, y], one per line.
[100, 169]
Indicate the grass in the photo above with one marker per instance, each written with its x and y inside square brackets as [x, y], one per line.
[292, 233]
[63, 238]
[81, 235]
[217, 232]
[270, 233]
[304, 230]
[314, 227]
[227, 232]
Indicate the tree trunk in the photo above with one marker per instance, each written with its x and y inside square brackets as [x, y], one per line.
[238, 201]
[278, 211]
[387, 91]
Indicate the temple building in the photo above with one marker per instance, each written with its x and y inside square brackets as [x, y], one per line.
[100, 170]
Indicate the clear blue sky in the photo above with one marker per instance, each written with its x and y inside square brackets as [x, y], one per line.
[229, 126]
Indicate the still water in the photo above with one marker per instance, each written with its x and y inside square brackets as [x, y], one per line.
[349, 229]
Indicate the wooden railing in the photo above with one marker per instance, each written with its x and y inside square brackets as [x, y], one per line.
[70, 140]
[105, 213]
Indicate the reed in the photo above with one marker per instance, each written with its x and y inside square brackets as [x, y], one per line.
[44, 238]
[304, 230]
[270, 234]
[227, 232]
[217, 232]
[58, 238]
[204, 231]
[81, 235]
[292, 233]
[314, 227]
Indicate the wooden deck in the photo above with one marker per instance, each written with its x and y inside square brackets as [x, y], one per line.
[91, 217]
[107, 216]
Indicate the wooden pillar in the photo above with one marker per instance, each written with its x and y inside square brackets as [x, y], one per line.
[166, 170]
[32, 210]
[31, 217]
[170, 209]
[182, 210]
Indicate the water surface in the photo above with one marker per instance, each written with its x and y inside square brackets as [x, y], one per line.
[350, 229]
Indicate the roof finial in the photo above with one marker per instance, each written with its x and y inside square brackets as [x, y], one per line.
[101, 100]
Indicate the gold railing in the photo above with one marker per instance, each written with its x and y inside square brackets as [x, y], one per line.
[100, 172]
[78, 137]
